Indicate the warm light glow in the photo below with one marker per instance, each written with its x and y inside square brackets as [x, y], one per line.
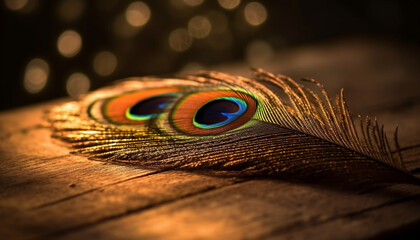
[255, 13]
[36, 75]
[229, 4]
[137, 14]
[15, 4]
[69, 43]
[193, 3]
[77, 85]
[199, 27]
[259, 52]
[180, 40]
[104, 63]
[70, 10]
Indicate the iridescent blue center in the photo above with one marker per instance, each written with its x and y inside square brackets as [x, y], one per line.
[219, 112]
[150, 107]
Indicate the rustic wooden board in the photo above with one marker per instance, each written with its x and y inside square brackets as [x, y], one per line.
[45, 192]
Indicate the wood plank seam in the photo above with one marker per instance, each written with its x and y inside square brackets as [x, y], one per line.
[137, 210]
[315, 221]
[408, 147]
[93, 190]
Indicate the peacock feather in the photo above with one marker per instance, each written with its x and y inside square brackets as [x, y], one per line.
[268, 125]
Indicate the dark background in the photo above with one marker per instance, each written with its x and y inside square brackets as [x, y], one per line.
[32, 31]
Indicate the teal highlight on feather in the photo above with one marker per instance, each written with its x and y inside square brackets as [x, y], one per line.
[152, 109]
[230, 117]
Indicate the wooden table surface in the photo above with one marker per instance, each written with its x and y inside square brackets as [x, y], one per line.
[46, 192]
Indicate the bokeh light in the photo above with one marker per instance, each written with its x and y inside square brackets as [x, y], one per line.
[69, 43]
[199, 27]
[15, 4]
[255, 13]
[110, 40]
[137, 14]
[77, 85]
[180, 40]
[105, 63]
[193, 3]
[36, 75]
[70, 10]
[258, 52]
[229, 4]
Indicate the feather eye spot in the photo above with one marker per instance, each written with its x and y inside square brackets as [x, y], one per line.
[134, 108]
[219, 112]
[213, 112]
[150, 107]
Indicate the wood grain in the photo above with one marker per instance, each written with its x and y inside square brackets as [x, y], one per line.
[45, 192]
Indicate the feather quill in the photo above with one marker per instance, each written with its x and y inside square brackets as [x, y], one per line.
[306, 135]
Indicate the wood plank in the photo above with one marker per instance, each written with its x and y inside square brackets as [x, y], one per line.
[25, 118]
[41, 183]
[47, 192]
[366, 223]
[35, 171]
[109, 202]
[253, 210]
